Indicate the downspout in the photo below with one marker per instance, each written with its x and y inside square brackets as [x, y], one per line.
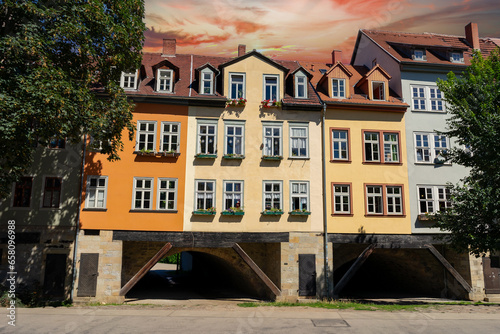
[77, 232]
[191, 77]
[325, 221]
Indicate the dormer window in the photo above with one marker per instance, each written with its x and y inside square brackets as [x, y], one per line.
[300, 86]
[378, 90]
[457, 57]
[271, 88]
[165, 81]
[419, 55]
[128, 80]
[207, 82]
[338, 88]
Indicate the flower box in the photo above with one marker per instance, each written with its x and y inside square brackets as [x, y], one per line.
[232, 213]
[142, 152]
[169, 154]
[272, 157]
[241, 102]
[270, 104]
[234, 156]
[272, 213]
[206, 156]
[300, 213]
[426, 217]
[204, 212]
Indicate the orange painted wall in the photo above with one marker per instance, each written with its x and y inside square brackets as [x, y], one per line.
[121, 173]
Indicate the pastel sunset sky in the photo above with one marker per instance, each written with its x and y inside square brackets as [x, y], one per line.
[304, 29]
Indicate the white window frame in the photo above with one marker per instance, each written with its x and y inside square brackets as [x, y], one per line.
[301, 76]
[232, 193]
[234, 124]
[373, 143]
[170, 136]
[393, 197]
[205, 192]
[338, 89]
[166, 81]
[373, 196]
[298, 138]
[266, 151]
[128, 75]
[432, 196]
[143, 190]
[344, 198]
[300, 195]
[272, 192]
[384, 98]
[276, 86]
[210, 81]
[231, 86]
[390, 144]
[96, 190]
[168, 190]
[340, 141]
[208, 124]
[429, 98]
[147, 134]
[432, 149]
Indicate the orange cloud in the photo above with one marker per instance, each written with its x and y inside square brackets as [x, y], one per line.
[154, 39]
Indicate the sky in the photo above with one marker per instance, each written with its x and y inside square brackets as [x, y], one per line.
[306, 30]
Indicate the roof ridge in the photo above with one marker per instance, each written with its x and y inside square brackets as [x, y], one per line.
[421, 33]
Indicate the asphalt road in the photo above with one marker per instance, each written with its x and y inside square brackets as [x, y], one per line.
[111, 320]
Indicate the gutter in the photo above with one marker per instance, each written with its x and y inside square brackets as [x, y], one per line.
[325, 221]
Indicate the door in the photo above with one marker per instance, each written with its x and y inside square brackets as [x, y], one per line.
[491, 270]
[55, 275]
[307, 275]
[87, 279]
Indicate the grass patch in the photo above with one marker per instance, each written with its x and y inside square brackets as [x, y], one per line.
[345, 305]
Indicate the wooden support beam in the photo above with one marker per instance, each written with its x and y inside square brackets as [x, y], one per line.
[144, 270]
[248, 260]
[449, 267]
[354, 268]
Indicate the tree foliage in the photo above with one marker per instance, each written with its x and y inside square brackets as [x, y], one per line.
[53, 55]
[473, 102]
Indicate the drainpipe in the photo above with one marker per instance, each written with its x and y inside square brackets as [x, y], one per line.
[325, 220]
[78, 217]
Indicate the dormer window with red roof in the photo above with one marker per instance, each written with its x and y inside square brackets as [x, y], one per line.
[419, 55]
[378, 90]
[164, 81]
[338, 88]
[128, 80]
[207, 82]
[300, 86]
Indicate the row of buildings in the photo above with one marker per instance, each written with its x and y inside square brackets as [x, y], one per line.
[244, 163]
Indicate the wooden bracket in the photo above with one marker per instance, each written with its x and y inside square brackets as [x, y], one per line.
[449, 267]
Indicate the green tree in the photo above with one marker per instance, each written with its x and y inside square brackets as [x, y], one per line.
[473, 102]
[54, 56]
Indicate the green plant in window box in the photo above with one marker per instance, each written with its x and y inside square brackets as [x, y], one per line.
[145, 151]
[270, 104]
[241, 102]
[299, 212]
[233, 156]
[272, 157]
[210, 211]
[272, 211]
[233, 211]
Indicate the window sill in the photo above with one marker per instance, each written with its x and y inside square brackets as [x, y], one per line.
[425, 218]
[272, 157]
[153, 211]
[206, 156]
[342, 215]
[375, 215]
[233, 157]
[432, 163]
[298, 158]
[204, 213]
[431, 111]
[235, 213]
[152, 153]
[341, 161]
[168, 154]
[95, 209]
[272, 213]
[299, 213]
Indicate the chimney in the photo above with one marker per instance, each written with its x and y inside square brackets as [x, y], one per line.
[472, 35]
[336, 56]
[242, 49]
[169, 47]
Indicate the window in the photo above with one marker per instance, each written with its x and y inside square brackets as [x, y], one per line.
[207, 137]
[271, 88]
[427, 98]
[384, 200]
[429, 147]
[207, 82]
[340, 145]
[299, 141]
[97, 187]
[52, 192]
[235, 134]
[338, 88]
[128, 80]
[341, 198]
[167, 194]
[394, 200]
[372, 146]
[457, 57]
[374, 200]
[391, 147]
[433, 198]
[22, 192]
[272, 139]
[419, 55]
[205, 194]
[170, 137]
[300, 86]
[299, 195]
[236, 86]
[57, 143]
[233, 194]
[378, 90]
[165, 81]
[273, 195]
[146, 136]
[143, 193]
[372, 152]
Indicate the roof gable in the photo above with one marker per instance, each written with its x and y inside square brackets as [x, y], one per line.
[258, 55]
